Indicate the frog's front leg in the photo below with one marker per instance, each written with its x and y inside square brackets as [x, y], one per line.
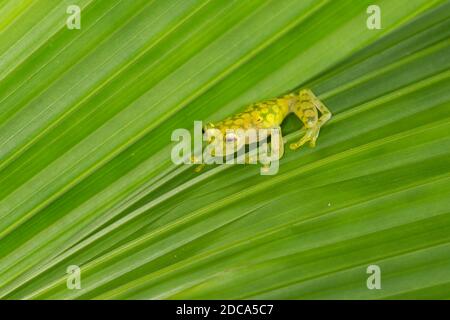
[306, 110]
[208, 157]
[276, 150]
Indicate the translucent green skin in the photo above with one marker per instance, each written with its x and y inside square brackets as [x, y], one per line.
[262, 115]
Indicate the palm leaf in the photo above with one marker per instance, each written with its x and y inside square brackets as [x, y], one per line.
[86, 177]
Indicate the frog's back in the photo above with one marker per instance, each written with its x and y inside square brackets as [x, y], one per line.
[266, 114]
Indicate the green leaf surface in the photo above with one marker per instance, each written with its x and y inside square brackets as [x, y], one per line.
[86, 177]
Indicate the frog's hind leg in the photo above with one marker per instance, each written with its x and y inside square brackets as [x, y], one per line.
[307, 111]
[325, 112]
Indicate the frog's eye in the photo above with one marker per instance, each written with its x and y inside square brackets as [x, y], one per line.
[231, 137]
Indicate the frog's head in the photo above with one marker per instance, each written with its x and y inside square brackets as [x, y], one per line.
[210, 132]
[225, 139]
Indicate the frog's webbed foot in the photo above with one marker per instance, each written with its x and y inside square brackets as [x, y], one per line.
[199, 167]
[310, 135]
